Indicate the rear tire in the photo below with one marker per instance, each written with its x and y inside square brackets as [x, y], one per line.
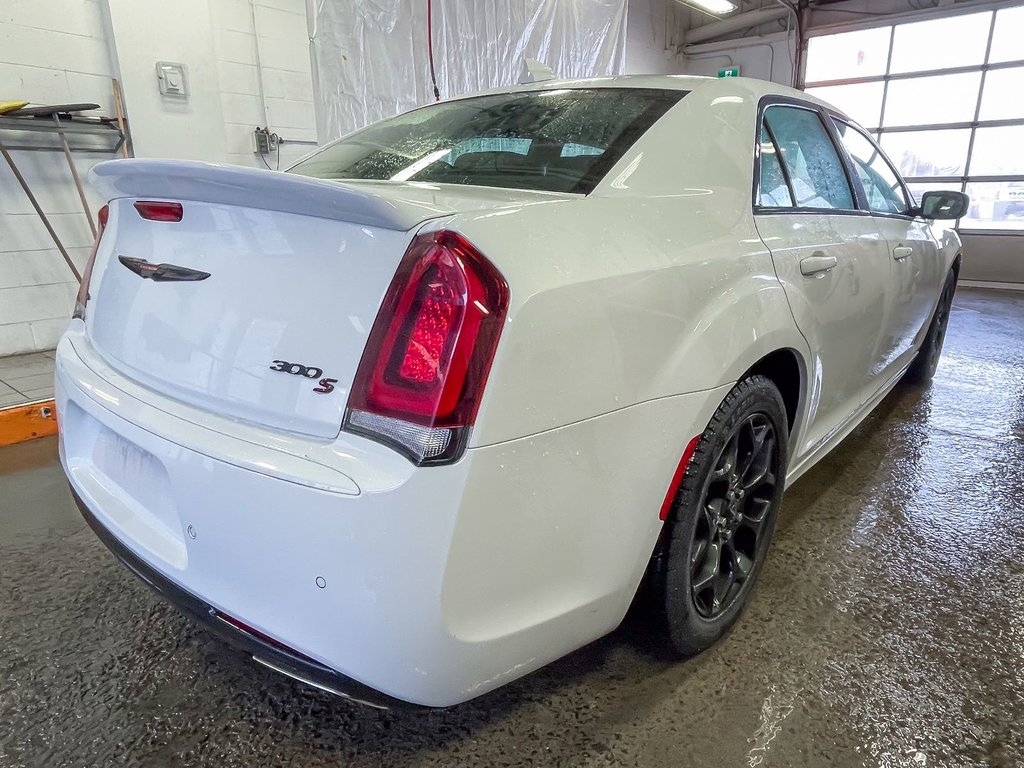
[716, 537]
[923, 368]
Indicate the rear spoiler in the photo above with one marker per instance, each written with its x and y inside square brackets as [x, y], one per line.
[253, 188]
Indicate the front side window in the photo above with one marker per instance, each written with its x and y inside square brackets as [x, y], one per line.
[562, 140]
[815, 172]
[882, 186]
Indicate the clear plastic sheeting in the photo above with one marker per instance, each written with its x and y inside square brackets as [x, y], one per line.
[370, 56]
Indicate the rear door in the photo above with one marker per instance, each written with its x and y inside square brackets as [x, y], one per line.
[916, 271]
[827, 258]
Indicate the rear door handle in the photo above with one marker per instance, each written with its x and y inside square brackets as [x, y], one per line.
[901, 252]
[817, 264]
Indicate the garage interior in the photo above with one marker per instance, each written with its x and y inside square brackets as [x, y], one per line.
[886, 627]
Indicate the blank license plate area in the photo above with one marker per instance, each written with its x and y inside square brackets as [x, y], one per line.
[139, 475]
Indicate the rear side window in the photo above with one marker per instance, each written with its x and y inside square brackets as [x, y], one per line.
[881, 183]
[815, 172]
[555, 140]
[773, 192]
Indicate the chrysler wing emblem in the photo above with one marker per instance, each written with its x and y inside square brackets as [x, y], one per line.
[161, 273]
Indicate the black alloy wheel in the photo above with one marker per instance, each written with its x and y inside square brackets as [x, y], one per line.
[923, 368]
[717, 534]
[730, 533]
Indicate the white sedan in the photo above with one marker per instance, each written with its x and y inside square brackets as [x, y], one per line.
[432, 408]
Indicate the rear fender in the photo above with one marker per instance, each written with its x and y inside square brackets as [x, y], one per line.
[606, 317]
[724, 354]
[739, 328]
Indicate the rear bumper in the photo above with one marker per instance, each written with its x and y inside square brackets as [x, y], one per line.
[432, 585]
[262, 649]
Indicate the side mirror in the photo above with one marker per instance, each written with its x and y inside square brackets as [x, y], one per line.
[944, 205]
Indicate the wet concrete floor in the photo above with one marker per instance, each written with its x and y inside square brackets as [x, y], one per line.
[887, 629]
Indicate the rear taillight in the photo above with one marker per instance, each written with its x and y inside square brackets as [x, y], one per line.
[159, 211]
[83, 290]
[423, 371]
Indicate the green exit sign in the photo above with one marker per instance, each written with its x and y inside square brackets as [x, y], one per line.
[730, 72]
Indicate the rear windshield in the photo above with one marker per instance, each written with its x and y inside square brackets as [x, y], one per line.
[556, 140]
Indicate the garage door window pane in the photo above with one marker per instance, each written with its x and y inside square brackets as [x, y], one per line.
[818, 178]
[998, 151]
[928, 153]
[849, 54]
[1003, 98]
[862, 101]
[956, 41]
[995, 205]
[1006, 40]
[928, 100]
[918, 188]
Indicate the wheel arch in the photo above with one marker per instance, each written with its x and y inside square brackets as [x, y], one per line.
[786, 370]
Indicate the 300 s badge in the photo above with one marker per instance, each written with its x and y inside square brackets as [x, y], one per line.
[326, 386]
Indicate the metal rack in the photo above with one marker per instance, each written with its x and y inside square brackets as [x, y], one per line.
[105, 128]
[97, 135]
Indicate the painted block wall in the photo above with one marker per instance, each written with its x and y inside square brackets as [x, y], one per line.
[279, 27]
[648, 24]
[765, 57]
[51, 51]
[182, 128]
[54, 51]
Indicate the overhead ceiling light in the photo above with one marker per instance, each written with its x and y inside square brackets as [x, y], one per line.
[714, 7]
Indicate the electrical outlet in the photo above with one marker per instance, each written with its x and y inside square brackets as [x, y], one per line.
[264, 142]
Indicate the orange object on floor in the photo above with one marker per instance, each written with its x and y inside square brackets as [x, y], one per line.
[25, 422]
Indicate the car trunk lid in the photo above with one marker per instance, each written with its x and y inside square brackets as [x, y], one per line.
[257, 304]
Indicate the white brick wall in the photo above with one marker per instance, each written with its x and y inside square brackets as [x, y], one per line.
[51, 51]
[646, 38]
[55, 51]
[280, 30]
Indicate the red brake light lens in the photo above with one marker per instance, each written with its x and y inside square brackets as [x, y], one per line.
[159, 211]
[436, 312]
[422, 374]
[83, 289]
